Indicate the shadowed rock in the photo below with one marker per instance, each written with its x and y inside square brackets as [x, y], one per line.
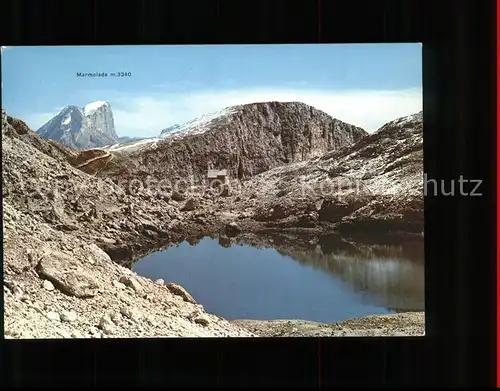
[180, 291]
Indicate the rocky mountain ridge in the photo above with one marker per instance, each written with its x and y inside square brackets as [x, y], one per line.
[245, 140]
[91, 126]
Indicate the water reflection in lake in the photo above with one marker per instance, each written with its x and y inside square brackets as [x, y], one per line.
[324, 279]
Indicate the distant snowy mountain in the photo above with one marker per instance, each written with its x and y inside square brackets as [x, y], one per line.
[172, 128]
[91, 126]
[245, 140]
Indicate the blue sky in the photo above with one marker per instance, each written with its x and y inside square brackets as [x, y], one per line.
[365, 84]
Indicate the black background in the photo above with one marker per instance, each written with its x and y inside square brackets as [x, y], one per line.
[459, 139]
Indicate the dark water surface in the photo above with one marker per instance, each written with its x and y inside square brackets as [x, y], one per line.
[326, 281]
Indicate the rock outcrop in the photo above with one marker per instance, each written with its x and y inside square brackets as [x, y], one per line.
[89, 127]
[373, 186]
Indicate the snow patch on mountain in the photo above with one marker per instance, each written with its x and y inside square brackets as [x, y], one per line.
[92, 107]
[198, 125]
[170, 129]
[409, 119]
[66, 120]
[135, 145]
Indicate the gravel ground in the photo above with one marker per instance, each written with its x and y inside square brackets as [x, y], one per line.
[403, 324]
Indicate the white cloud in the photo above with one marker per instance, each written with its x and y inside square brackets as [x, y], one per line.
[147, 115]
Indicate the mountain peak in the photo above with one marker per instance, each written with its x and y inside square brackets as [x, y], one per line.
[91, 126]
[70, 108]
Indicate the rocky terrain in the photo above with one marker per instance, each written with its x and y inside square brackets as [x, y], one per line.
[373, 186]
[89, 127]
[72, 218]
[58, 282]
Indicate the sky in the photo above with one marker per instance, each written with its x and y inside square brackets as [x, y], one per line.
[366, 85]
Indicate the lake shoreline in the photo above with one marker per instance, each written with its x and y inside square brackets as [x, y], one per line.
[37, 307]
[397, 325]
[127, 252]
[403, 323]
